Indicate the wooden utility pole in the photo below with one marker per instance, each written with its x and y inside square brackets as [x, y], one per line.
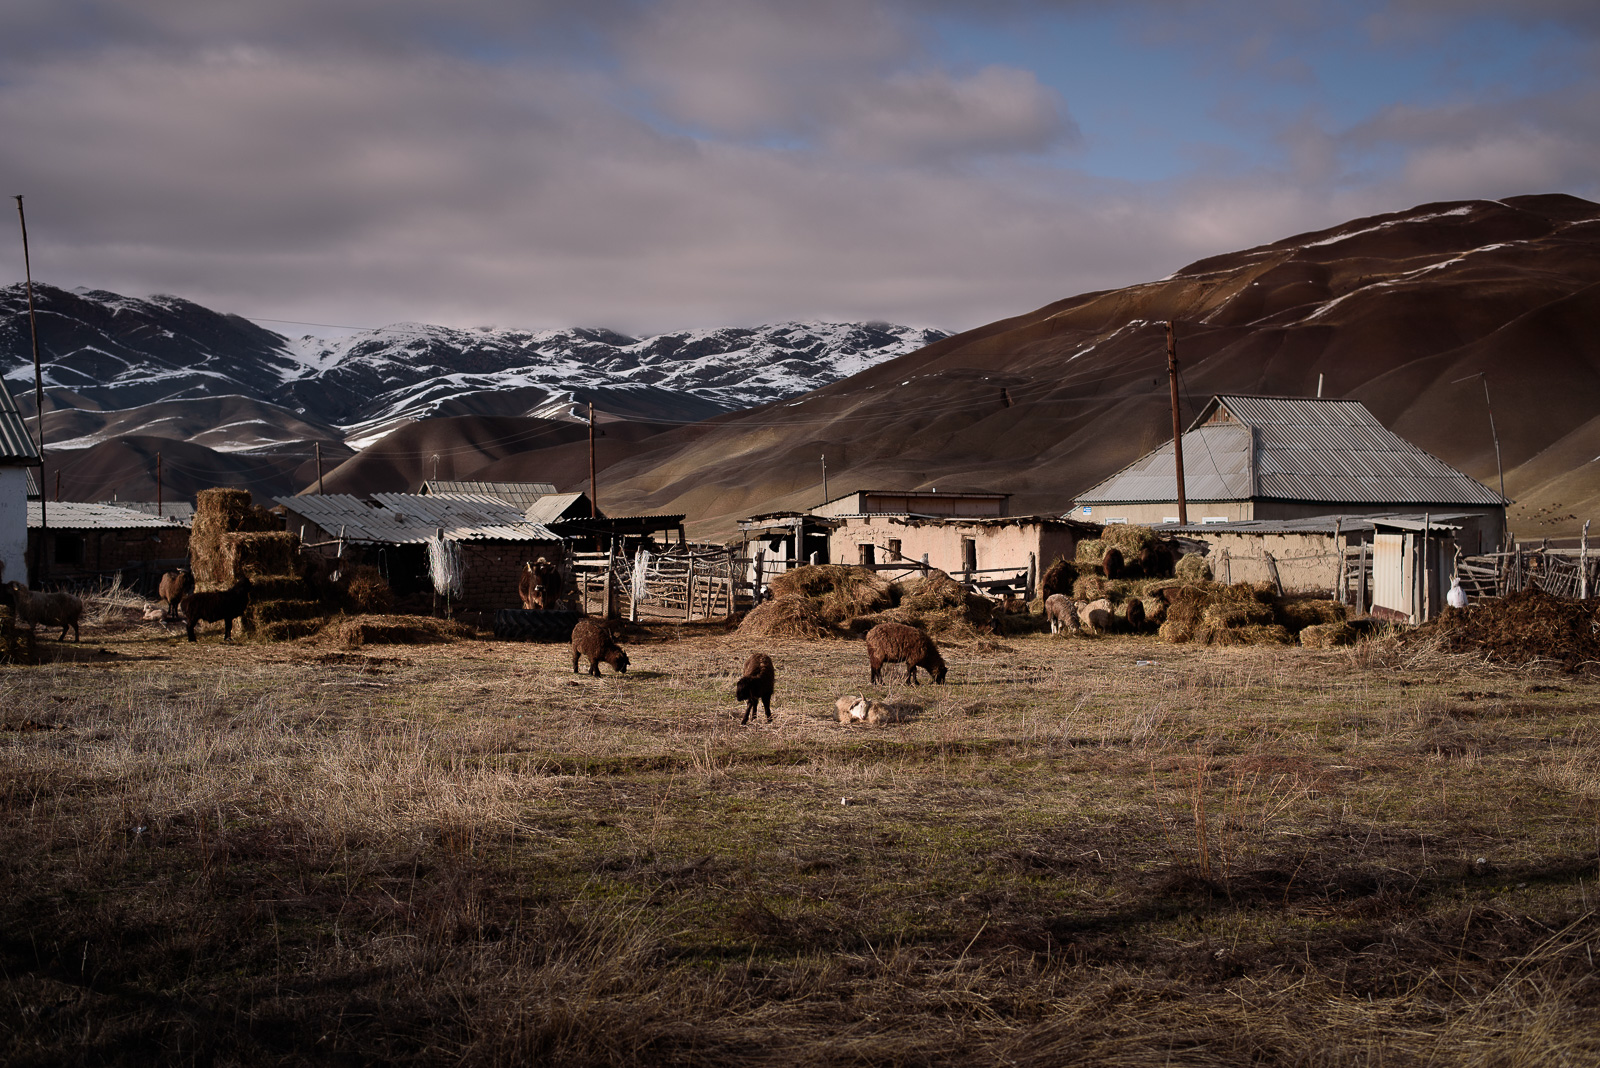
[1177, 427]
[594, 490]
[317, 445]
[158, 485]
[39, 556]
[824, 478]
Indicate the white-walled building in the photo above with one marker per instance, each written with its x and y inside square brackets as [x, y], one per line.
[17, 454]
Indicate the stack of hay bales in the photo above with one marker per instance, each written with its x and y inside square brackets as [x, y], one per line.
[233, 538]
[817, 600]
[356, 631]
[1243, 614]
[841, 592]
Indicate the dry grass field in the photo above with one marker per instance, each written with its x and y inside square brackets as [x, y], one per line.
[1080, 851]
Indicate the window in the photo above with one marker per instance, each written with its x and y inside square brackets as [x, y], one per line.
[1113, 520]
[1169, 519]
[69, 549]
[869, 554]
[894, 548]
[1215, 519]
[969, 554]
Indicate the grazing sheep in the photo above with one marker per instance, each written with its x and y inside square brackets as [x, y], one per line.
[539, 586]
[52, 609]
[893, 643]
[1097, 616]
[1111, 562]
[1134, 615]
[590, 638]
[755, 685]
[217, 606]
[174, 585]
[1061, 612]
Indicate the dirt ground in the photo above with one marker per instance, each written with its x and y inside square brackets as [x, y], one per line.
[1080, 850]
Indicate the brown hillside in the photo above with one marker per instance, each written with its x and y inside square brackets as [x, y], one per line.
[1391, 310]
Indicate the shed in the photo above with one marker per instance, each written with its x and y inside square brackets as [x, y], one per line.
[18, 456]
[391, 531]
[521, 494]
[1281, 458]
[84, 542]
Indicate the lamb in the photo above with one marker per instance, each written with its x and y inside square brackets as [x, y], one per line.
[174, 585]
[217, 606]
[854, 708]
[592, 639]
[52, 609]
[539, 586]
[755, 685]
[892, 643]
[1097, 616]
[1061, 612]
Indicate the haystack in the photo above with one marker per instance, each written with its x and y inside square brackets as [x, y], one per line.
[939, 604]
[840, 592]
[355, 631]
[1193, 568]
[1328, 635]
[789, 616]
[218, 513]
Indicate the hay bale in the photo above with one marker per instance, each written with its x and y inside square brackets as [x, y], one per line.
[277, 611]
[789, 616]
[368, 591]
[1193, 568]
[1129, 538]
[1155, 610]
[1175, 632]
[219, 512]
[1090, 550]
[253, 553]
[1298, 613]
[841, 591]
[1268, 634]
[933, 592]
[289, 629]
[356, 631]
[1090, 587]
[280, 588]
[1236, 613]
[1328, 635]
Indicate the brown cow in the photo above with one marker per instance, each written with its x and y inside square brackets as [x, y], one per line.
[540, 585]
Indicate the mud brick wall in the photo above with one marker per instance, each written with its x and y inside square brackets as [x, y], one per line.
[493, 569]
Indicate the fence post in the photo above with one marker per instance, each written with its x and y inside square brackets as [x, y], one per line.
[688, 593]
[1583, 563]
[1033, 577]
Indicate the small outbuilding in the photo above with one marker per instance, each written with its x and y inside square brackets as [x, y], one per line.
[18, 456]
[82, 542]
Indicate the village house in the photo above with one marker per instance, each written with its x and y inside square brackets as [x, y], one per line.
[491, 540]
[1285, 458]
[82, 542]
[18, 456]
[520, 494]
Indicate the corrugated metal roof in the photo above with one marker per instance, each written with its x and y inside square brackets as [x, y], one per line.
[548, 509]
[77, 515]
[1322, 524]
[182, 511]
[521, 494]
[1293, 449]
[413, 518]
[16, 444]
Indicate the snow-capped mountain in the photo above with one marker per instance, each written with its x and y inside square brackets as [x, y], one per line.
[106, 352]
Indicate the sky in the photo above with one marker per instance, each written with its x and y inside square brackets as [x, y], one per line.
[657, 165]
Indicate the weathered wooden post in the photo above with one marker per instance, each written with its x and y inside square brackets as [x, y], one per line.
[688, 594]
[1583, 563]
[1033, 577]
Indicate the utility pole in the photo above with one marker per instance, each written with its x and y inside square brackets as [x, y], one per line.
[824, 478]
[39, 556]
[158, 485]
[1177, 427]
[317, 445]
[1499, 469]
[594, 490]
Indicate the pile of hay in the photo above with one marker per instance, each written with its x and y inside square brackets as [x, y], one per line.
[1521, 628]
[1193, 567]
[217, 514]
[791, 616]
[1242, 614]
[268, 552]
[840, 592]
[938, 604]
[368, 591]
[355, 631]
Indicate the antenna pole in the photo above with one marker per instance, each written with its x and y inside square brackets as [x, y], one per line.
[317, 446]
[39, 556]
[1495, 434]
[1177, 426]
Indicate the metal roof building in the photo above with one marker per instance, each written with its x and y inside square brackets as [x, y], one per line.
[521, 494]
[1252, 457]
[413, 518]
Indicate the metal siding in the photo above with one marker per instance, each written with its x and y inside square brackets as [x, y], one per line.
[16, 444]
[1391, 579]
[412, 518]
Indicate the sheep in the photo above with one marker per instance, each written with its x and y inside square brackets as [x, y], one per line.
[755, 685]
[894, 643]
[217, 606]
[174, 585]
[1097, 616]
[592, 639]
[1133, 615]
[52, 609]
[1111, 562]
[854, 708]
[1061, 612]
[539, 585]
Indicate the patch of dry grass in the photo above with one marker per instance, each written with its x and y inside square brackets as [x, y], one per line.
[1076, 852]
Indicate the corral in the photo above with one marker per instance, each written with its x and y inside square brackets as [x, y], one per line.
[1077, 851]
